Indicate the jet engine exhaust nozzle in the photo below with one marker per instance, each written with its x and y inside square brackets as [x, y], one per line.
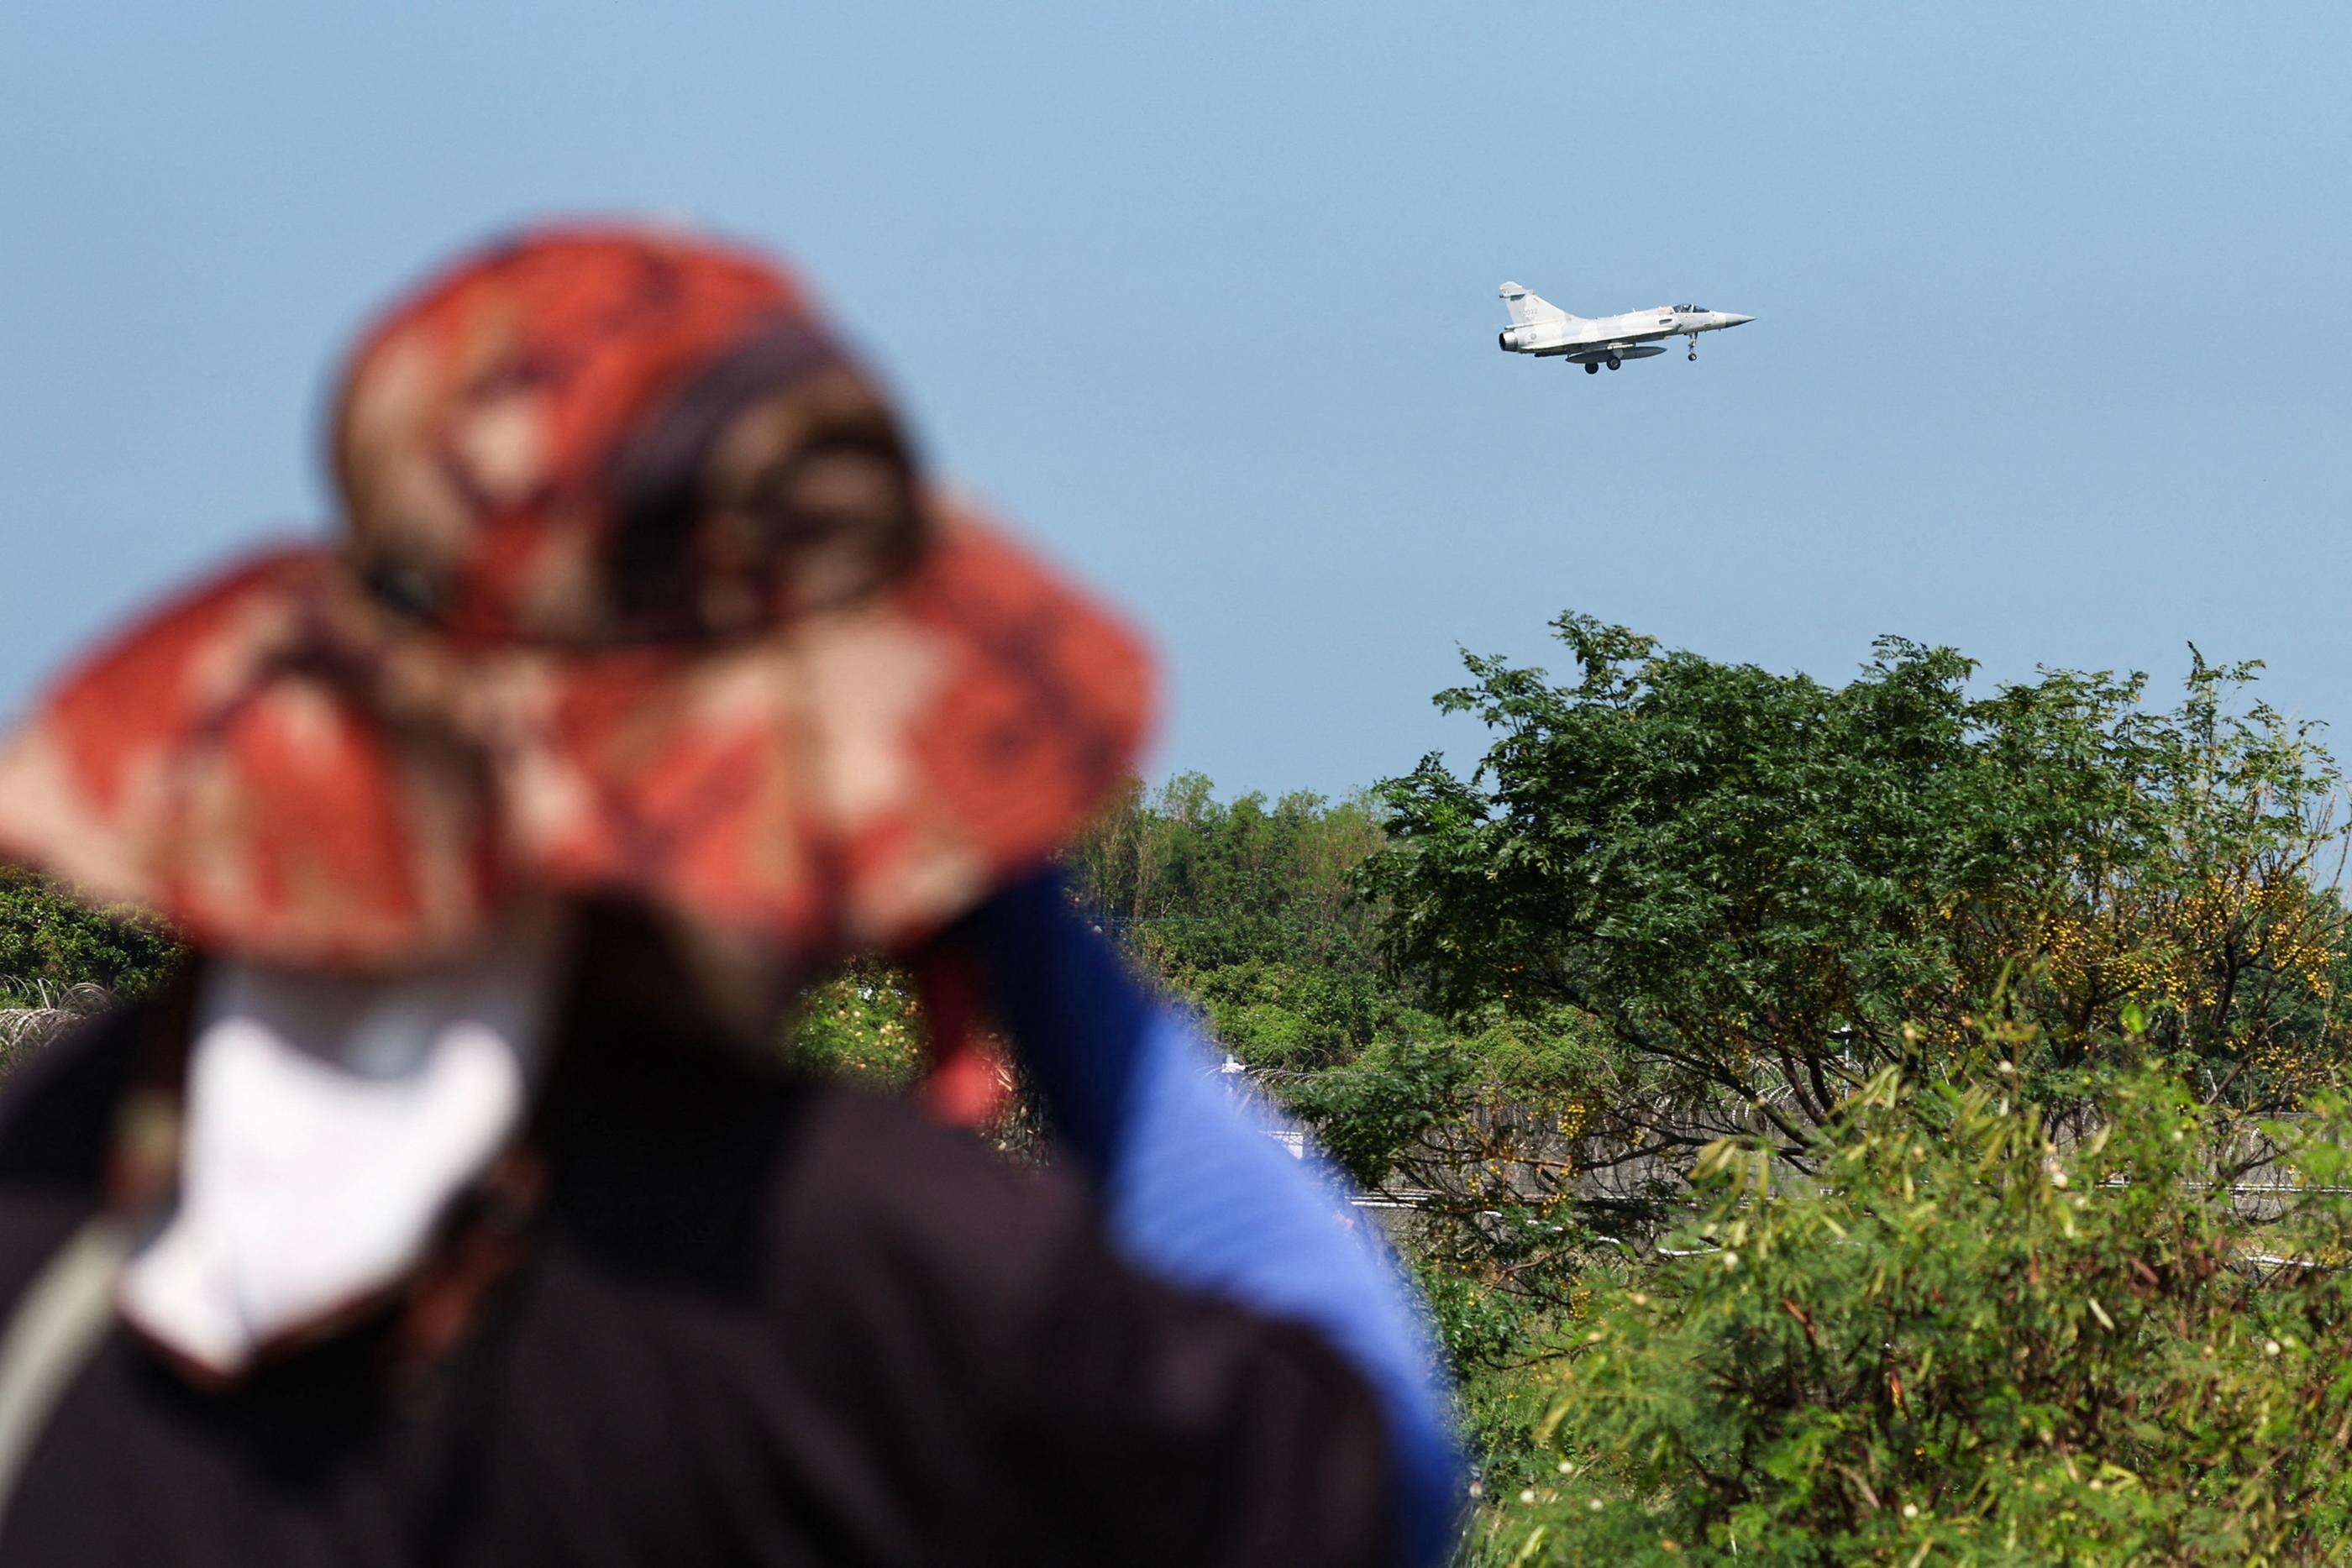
[1509, 340]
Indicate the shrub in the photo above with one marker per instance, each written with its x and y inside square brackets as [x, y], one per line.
[1966, 1339]
[50, 943]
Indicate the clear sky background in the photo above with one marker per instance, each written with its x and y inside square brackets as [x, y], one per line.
[2052, 359]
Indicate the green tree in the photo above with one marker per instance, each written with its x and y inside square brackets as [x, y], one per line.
[1761, 890]
[1248, 910]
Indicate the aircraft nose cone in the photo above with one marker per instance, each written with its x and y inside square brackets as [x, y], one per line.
[1730, 320]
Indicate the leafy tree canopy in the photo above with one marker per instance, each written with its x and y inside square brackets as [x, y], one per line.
[1763, 889]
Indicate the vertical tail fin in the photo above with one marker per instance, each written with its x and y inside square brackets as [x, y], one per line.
[1529, 310]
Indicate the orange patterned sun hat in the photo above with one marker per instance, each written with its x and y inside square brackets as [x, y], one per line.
[640, 591]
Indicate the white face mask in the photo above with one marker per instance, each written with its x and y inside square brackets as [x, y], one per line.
[329, 1123]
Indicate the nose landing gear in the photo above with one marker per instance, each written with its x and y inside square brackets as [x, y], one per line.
[1694, 343]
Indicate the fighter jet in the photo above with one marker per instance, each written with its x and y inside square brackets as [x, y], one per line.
[1539, 327]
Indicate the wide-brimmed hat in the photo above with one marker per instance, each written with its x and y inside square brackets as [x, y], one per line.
[639, 590]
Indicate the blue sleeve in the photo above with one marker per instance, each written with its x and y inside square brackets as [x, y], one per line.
[1195, 1188]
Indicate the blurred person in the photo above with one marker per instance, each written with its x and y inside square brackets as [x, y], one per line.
[452, 1207]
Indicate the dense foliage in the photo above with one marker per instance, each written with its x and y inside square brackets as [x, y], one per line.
[861, 1022]
[1763, 890]
[1968, 1341]
[50, 945]
[1248, 909]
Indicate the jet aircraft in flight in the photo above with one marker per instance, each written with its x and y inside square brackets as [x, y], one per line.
[1539, 327]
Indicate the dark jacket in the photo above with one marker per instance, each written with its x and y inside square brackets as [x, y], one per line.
[755, 1321]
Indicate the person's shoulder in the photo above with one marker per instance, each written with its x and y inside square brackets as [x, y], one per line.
[957, 1294]
[766, 1186]
[889, 1142]
[58, 1107]
[874, 1184]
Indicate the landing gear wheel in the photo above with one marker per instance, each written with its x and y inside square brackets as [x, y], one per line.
[1615, 363]
[1592, 367]
[1694, 356]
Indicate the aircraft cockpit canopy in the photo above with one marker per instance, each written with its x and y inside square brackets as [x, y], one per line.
[1692, 309]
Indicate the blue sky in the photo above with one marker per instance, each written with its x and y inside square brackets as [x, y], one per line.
[2051, 359]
